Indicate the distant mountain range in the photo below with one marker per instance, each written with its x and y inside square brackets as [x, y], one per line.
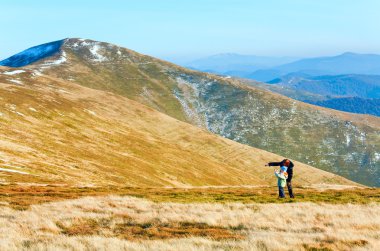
[236, 64]
[347, 63]
[87, 126]
[269, 68]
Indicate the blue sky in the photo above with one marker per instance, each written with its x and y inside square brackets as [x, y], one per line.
[195, 28]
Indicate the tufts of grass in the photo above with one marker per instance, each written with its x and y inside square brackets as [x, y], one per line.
[128, 229]
[80, 227]
[329, 244]
[125, 222]
[21, 197]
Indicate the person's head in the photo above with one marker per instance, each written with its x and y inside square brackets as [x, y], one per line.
[283, 169]
[286, 162]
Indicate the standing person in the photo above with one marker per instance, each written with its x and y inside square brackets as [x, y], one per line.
[289, 165]
[281, 180]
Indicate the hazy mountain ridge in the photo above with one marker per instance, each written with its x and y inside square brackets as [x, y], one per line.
[236, 64]
[330, 140]
[269, 68]
[346, 63]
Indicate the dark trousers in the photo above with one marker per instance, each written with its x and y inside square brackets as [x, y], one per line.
[290, 189]
[281, 192]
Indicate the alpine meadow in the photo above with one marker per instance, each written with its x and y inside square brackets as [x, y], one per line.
[216, 129]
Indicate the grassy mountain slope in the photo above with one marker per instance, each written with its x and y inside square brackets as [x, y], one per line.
[55, 131]
[343, 143]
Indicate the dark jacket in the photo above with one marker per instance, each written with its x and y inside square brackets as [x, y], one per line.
[289, 171]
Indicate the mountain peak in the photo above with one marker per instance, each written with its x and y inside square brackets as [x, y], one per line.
[33, 54]
[349, 54]
[54, 53]
[353, 54]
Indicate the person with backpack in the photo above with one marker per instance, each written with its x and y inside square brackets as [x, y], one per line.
[289, 164]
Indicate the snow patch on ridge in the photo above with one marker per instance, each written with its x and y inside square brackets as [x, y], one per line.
[36, 73]
[13, 72]
[187, 95]
[97, 57]
[91, 50]
[348, 140]
[377, 156]
[16, 81]
[60, 60]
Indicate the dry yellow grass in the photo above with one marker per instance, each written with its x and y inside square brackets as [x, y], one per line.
[59, 132]
[99, 223]
[21, 196]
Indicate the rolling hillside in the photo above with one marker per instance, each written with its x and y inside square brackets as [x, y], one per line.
[338, 142]
[58, 132]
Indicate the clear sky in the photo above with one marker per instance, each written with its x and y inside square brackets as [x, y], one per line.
[195, 28]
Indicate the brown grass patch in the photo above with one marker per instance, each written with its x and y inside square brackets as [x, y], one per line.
[329, 243]
[21, 197]
[134, 231]
[80, 227]
[126, 228]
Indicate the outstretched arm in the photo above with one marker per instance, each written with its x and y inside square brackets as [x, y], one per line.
[274, 164]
